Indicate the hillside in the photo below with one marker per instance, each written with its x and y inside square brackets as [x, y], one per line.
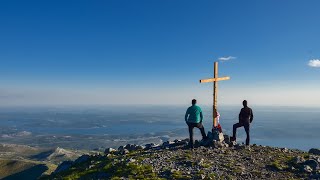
[26, 162]
[172, 160]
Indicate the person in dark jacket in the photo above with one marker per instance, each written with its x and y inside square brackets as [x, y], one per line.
[193, 119]
[245, 118]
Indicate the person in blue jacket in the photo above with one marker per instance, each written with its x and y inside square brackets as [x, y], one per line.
[193, 119]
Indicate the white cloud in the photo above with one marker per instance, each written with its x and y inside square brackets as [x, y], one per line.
[226, 58]
[314, 63]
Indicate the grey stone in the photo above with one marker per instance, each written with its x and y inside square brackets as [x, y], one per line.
[149, 146]
[168, 144]
[226, 139]
[307, 169]
[131, 160]
[109, 150]
[312, 163]
[123, 151]
[232, 143]
[120, 148]
[314, 151]
[217, 135]
[299, 160]
[217, 144]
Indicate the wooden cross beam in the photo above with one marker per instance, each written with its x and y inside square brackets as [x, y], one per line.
[215, 80]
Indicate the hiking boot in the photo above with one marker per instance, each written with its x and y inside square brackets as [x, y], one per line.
[191, 146]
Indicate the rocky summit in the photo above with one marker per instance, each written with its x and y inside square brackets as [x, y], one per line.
[209, 160]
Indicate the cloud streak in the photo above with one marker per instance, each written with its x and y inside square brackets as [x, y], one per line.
[226, 58]
[314, 63]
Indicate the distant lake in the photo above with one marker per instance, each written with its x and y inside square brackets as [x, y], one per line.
[110, 126]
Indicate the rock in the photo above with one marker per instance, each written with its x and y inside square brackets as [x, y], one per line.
[178, 142]
[284, 150]
[82, 158]
[307, 168]
[232, 143]
[131, 147]
[299, 160]
[63, 166]
[315, 176]
[149, 146]
[123, 151]
[131, 160]
[120, 148]
[217, 135]
[312, 163]
[201, 162]
[168, 144]
[109, 150]
[226, 139]
[217, 144]
[314, 151]
[240, 147]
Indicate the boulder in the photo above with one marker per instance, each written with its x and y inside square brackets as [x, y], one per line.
[131, 147]
[179, 142]
[168, 144]
[240, 146]
[217, 144]
[312, 163]
[314, 151]
[307, 169]
[139, 147]
[232, 143]
[217, 135]
[149, 146]
[299, 160]
[123, 151]
[120, 148]
[109, 150]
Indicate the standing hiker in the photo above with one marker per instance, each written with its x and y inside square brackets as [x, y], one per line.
[193, 119]
[245, 118]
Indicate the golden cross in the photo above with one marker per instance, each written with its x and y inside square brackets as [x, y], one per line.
[215, 80]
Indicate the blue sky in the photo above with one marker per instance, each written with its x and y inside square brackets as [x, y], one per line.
[154, 52]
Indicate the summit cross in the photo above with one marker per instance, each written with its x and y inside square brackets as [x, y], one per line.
[215, 80]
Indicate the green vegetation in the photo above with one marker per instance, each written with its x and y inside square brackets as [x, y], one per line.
[178, 175]
[113, 167]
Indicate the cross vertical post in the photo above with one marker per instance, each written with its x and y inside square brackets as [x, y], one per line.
[215, 80]
[215, 94]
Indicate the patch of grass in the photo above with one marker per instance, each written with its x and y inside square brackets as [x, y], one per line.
[206, 165]
[256, 173]
[188, 155]
[179, 176]
[277, 165]
[213, 176]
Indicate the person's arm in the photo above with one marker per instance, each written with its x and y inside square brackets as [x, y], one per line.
[251, 117]
[201, 117]
[186, 116]
[240, 114]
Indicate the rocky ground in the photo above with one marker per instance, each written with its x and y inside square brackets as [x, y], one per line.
[173, 160]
